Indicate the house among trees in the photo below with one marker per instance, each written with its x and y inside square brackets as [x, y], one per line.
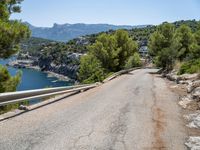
[143, 51]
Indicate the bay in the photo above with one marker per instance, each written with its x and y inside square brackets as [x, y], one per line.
[34, 79]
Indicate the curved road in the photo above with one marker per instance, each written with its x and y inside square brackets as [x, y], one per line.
[136, 111]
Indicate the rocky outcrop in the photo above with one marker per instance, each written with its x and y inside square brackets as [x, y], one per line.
[193, 93]
[21, 63]
[185, 101]
[66, 70]
[190, 101]
[192, 82]
[69, 69]
[193, 143]
[193, 96]
[181, 78]
[196, 94]
[194, 120]
[192, 85]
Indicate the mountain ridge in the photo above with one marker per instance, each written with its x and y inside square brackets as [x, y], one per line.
[66, 32]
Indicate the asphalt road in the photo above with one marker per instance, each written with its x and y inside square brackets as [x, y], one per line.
[136, 111]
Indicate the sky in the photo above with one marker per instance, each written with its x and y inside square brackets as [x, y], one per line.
[44, 13]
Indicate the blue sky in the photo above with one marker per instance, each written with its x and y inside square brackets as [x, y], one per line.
[120, 12]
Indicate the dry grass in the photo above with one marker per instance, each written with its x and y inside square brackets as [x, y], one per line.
[178, 65]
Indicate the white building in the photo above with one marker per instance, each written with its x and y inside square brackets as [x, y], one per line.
[143, 51]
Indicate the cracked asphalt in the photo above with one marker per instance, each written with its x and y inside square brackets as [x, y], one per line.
[136, 111]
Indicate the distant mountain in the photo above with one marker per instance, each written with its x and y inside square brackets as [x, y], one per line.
[66, 32]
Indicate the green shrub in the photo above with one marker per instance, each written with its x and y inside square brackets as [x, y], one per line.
[7, 108]
[133, 61]
[12, 32]
[162, 44]
[8, 83]
[108, 54]
[192, 66]
[90, 70]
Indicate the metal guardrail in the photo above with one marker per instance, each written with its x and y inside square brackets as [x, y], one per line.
[19, 96]
[116, 74]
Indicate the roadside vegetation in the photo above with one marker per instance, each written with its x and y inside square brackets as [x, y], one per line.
[170, 44]
[12, 32]
[110, 53]
[64, 58]
[101, 54]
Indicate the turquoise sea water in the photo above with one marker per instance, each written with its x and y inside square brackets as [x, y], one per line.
[33, 79]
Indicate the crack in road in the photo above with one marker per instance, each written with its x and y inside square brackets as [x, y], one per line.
[118, 128]
[129, 113]
[117, 131]
[137, 90]
[75, 145]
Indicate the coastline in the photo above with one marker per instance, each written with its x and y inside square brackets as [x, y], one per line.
[20, 64]
[59, 76]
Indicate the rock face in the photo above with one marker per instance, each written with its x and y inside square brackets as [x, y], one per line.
[185, 101]
[21, 63]
[192, 85]
[193, 143]
[181, 78]
[194, 120]
[189, 76]
[172, 77]
[196, 93]
[193, 94]
[68, 69]
[190, 101]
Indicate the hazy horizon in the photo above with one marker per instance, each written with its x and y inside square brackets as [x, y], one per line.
[104, 23]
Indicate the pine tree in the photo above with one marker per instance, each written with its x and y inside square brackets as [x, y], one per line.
[12, 32]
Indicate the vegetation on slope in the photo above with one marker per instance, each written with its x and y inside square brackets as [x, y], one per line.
[47, 52]
[171, 43]
[11, 34]
[110, 53]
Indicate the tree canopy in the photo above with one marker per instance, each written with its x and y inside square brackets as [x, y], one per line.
[110, 53]
[161, 45]
[113, 50]
[169, 44]
[11, 31]
[185, 39]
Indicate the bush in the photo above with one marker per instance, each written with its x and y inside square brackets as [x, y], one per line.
[90, 70]
[8, 84]
[7, 108]
[133, 61]
[192, 66]
[110, 53]
[162, 46]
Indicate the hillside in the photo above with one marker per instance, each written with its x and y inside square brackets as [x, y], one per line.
[63, 58]
[33, 45]
[66, 32]
[58, 57]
